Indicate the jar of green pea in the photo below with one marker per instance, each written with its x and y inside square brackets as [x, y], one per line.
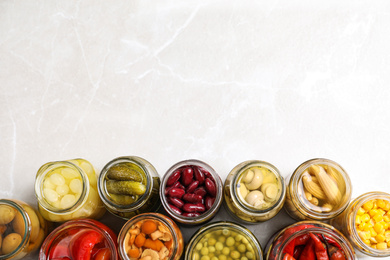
[223, 240]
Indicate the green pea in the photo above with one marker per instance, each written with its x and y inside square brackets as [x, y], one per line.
[222, 257]
[212, 241]
[221, 239]
[225, 251]
[195, 256]
[250, 255]
[204, 251]
[214, 258]
[239, 237]
[198, 246]
[219, 246]
[205, 257]
[211, 249]
[235, 254]
[241, 248]
[230, 241]
[244, 258]
[226, 232]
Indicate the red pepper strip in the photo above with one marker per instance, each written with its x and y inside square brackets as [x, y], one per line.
[338, 255]
[289, 249]
[83, 245]
[334, 252]
[302, 239]
[329, 240]
[297, 251]
[319, 248]
[288, 257]
[308, 252]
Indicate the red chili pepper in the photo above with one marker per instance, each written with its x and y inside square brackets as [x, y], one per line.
[298, 251]
[302, 239]
[308, 252]
[329, 240]
[319, 248]
[59, 251]
[288, 257]
[334, 252]
[82, 246]
[338, 255]
[289, 249]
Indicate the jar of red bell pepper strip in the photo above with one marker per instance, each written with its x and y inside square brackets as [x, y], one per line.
[82, 239]
[309, 240]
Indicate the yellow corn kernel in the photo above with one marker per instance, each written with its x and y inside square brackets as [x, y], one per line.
[364, 235]
[357, 220]
[386, 219]
[382, 245]
[361, 211]
[385, 225]
[387, 206]
[381, 211]
[378, 218]
[379, 228]
[380, 238]
[373, 232]
[388, 244]
[373, 212]
[373, 240]
[368, 205]
[367, 242]
[373, 246]
[387, 234]
[365, 217]
[380, 203]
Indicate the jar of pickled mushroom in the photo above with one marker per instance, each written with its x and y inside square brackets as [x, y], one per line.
[254, 191]
[80, 239]
[150, 236]
[309, 240]
[68, 190]
[366, 223]
[319, 189]
[129, 186]
[22, 229]
[223, 240]
[191, 192]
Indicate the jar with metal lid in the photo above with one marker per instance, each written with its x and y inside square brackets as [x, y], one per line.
[308, 239]
[191, 192]
[150, 234]
[129, 186]
[223, 240]
[319, 189]
[22, 229]
[366, 223]
[80, 239]
[254, 191]
[67, 190]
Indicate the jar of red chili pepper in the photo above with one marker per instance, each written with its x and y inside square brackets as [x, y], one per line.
[254, 191]
[309, 240]
[129, 186]
[366, 223]
[85, 239]
[150, 235]
[191, 192]
[319, 189]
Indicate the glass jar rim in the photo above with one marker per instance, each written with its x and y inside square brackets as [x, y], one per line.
[167, 222]
[44, 170]
[103, 193]
[300, 206]
[207, 214]
[27, 227]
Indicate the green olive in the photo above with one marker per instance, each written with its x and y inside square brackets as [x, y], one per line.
[7, 214]
[10, 243]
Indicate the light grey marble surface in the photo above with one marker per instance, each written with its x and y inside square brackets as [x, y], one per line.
[219, 81]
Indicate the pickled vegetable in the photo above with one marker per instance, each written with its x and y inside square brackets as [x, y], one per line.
[125, 187]
[124, 173]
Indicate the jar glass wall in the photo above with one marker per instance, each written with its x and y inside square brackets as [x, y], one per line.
[129, 186]
[254, 191]
[319, 189]
[68, 190]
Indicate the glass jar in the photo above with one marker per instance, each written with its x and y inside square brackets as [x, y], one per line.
[366, 223]
[254, 191]
[22, 229]
[129, 186]
[221, 240]
[80, 239]
[319, 189]
[68, 190]
[150, 234]
[191, 192]
[292, 240]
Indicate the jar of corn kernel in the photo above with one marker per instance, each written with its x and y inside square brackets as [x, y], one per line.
[68, 190]
[366, 223]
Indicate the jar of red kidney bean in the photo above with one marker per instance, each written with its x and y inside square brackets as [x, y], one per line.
[191, 192]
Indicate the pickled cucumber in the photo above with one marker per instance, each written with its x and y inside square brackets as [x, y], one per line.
[123, 199]
[124, 173]
[125, 187]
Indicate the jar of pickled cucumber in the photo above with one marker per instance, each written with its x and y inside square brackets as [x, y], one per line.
[22, 229]
[68, 190]
[80, 239]
[309, 240]
[254, 191]
[223, 240]
[319, 189]
[366, 223]
[150, 235]
[129, 186]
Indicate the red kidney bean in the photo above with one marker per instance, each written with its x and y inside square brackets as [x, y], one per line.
[192, 187]
[191, 214]
[210, 187]
[199, 176]
[209, 202]
[200, 191]
[175, 209]
[198, 207]
[176, 193]
[193, 198]
[176, 202]
[188, 174]
[176, 185]
[206, 173]
[175, 176]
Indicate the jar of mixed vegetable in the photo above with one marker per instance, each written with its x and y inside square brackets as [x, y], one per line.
[22, 229]
[84, 239]
[254, 191]
[366, 223]
[319, 189]
[129, 186]
[68, 190]
[191, 192]
[309, 240]
[150, 236]
[222, 241]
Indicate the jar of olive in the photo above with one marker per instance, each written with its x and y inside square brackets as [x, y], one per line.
[254, 191]
[129, 186]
